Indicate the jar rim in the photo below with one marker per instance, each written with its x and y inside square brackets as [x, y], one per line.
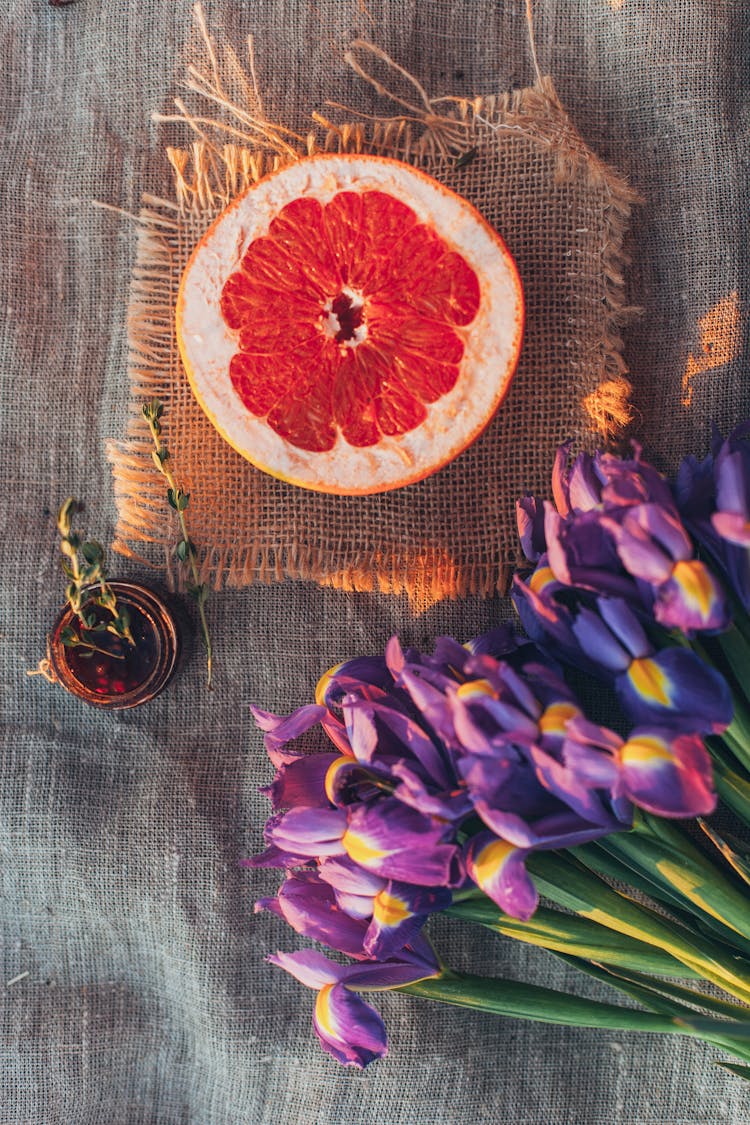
[165, 636]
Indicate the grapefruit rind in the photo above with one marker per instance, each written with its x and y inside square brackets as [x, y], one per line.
[492, 342]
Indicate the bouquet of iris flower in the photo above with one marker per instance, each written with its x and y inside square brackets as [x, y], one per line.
[475, 781]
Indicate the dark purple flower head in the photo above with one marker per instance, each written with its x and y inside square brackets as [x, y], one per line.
[604, 482]
[426, 746]
[714, 498]
[348, 1028]
[606, 639]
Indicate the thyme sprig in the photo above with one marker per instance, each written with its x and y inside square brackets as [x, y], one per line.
[179, 500]
[87, 588]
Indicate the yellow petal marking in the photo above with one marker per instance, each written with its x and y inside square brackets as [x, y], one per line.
[647, 748]
[540, 579]
[649, 681]
[322, 684]
[490, 859]
[476, 687]
[332, 774]
[692, 577]
[556, 717]
[323, 1012]
[361, 852]
[389, 910]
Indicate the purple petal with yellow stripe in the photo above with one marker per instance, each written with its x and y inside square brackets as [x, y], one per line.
[691, 599]
[348, 781]
[399, 911]
[348, 1028]
[400, 843]
[300, 782]
[497, 868]
[667, 774]
[675, 687]
[357, 674]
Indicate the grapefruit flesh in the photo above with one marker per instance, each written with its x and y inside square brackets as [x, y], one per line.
[349, 324]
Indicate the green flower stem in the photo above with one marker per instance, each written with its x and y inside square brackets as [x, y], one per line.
[178, 499]
[736, 651]
[545, 1005]
[730, 740]
[575, 888]
[734, 663]
[599, 857]
[604, 857]
[652, 992]
[733, 789]
[662, 847]
[669, 999]
[575, 936]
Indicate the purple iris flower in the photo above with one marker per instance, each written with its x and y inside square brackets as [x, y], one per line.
[606, 639]
[347, 1027]
[581, 552]
[614, 529]
[309, 906]
[592, 485]
[497, 868]
[427, 747]
[714, 498]
[354, 911]
[655, 548]
[605, 481]
[662, 771]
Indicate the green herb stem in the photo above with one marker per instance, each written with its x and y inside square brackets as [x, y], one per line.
[179, 500]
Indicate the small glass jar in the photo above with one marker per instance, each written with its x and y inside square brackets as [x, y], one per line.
[125, 675]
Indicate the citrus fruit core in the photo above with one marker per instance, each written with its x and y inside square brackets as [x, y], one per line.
[349, 324]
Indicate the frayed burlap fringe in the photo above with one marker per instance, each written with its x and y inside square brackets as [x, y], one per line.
[251, 528]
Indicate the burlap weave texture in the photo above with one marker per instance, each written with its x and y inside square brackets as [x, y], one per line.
[563, 213]
[134, 987]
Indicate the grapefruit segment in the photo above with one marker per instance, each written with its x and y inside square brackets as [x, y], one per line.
[349, 324]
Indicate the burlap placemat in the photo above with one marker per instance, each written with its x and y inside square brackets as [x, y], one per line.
[563, 213]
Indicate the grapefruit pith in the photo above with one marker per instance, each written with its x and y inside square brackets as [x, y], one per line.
[349, 324]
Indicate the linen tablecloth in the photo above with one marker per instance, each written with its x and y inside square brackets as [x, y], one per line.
[133, 982]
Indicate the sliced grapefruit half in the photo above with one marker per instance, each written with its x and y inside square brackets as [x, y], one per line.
[349, 324]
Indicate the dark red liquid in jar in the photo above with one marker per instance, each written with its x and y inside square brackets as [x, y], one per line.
[122, 675]
[127, 668]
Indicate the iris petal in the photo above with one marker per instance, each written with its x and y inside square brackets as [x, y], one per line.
[348, 1028]
[666, 774]
[497, 868]
[675, 686]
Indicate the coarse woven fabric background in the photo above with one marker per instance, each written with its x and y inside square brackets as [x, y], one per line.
[139, 988]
